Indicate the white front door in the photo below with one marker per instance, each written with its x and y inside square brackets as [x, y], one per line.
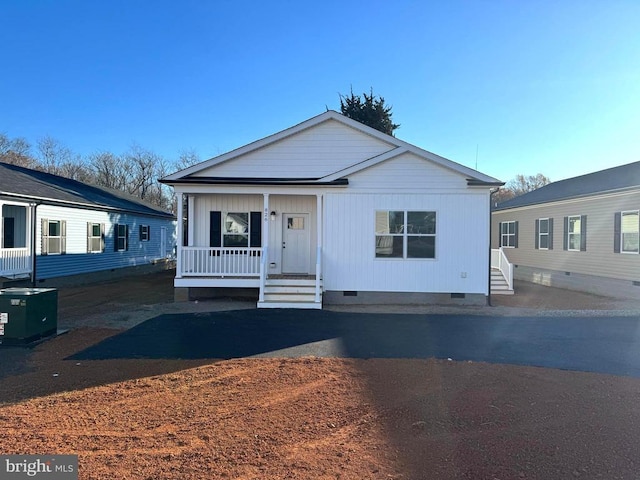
[295, 243]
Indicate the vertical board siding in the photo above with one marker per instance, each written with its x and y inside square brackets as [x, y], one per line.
[406, 172]
[598, 259]
[78, 261]
[462, 244]
[203, 204]
[326, 148]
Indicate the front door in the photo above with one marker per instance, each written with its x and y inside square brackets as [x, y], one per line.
[295, 243]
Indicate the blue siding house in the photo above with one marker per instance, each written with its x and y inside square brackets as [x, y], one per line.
[53, 227]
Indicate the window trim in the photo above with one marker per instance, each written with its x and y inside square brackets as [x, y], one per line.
[541, 233]
[405, 235]
[569, 233]
[145, 233]
[45, 237]
[514, 235]
[622, 214]
[91, 237]
[118, 236]
[217, 233]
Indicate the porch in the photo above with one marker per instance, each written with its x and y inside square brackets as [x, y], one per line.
[260, 241]
[15, 240]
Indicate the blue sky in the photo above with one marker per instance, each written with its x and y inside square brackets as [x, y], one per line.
[532, 86]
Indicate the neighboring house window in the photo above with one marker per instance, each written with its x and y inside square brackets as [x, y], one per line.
[405, 234]
[575, 236]
[235, 229]
[544, 234]
[509, 234]
[121, 237]
[54, 237]
[145, 232]
[627, 232]
[95, 237]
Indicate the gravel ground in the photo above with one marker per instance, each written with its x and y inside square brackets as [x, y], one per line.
[312, 418]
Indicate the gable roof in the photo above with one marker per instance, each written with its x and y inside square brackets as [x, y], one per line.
[34, 186]
[604, 181]
[396, 147]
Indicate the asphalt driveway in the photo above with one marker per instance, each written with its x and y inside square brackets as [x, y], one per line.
[595, 344]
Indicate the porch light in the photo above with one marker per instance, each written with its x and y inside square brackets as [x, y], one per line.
[273, 215]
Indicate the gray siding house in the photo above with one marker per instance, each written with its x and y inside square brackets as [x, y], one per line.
[53, 227]
[581, 233]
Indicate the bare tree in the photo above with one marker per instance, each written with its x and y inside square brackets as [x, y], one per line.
[520, 185]
[16, 151]
[109, 171]
[53, 155]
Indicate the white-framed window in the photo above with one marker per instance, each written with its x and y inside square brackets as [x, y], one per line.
[509, 234]
[95, 237]
[405, 234]
[121, 237]
[145, 233]
[630, 232]
[235, 229]
[574, 228]
[54, 237]
[543, 233]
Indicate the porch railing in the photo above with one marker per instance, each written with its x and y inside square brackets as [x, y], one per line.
[14, 261]
[236, 262]
[500, 261]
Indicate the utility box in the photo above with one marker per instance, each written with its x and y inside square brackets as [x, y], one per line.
[27, 314]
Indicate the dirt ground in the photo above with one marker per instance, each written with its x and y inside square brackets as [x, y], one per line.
[311, 418]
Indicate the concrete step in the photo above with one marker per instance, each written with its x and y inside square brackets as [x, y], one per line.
[289, 297]
[290, 304]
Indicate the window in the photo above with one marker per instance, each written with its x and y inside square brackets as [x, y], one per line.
[544, 234]
[575, 233]
[145, 232]
[629, 228]
[121, 237]
[509, 234]
[235, 229]
[95, 237]
[405, 234]
[54, 237]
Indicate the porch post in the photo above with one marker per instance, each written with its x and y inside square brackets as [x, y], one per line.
[265, 245]
[318, 245]
[179, 242]
[191, 208]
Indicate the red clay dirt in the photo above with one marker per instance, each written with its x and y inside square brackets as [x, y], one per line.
[310, 418]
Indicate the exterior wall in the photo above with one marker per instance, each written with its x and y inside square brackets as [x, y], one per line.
[462, 243]
[76, 260]
[407, 172]
[599, 258]
[318, 151]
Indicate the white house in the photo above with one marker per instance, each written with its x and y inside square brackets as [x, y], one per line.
[53, 227]
[331, 210]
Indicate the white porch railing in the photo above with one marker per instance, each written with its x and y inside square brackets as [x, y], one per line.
[500, 261]
[14, 261]
[233, 262]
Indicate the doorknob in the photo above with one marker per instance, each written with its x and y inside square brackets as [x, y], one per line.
[284, 244]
